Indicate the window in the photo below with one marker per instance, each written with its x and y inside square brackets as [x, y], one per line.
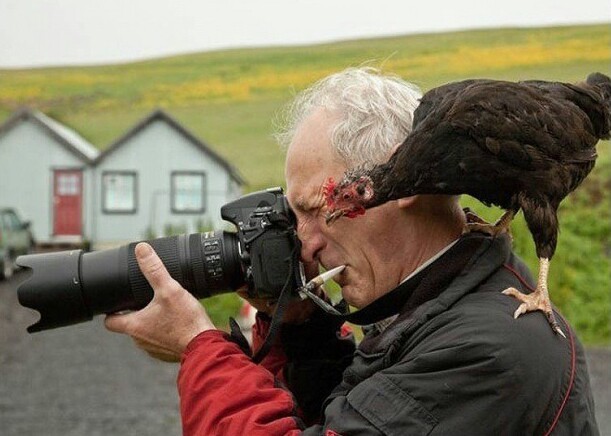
[68, 184]
[188, 192]
[119, 192]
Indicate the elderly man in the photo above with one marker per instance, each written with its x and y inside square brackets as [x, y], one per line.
[444, 354]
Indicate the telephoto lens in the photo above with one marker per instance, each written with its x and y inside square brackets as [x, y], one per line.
[72, 286]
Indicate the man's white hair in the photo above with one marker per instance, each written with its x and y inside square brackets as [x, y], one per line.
[375, 113]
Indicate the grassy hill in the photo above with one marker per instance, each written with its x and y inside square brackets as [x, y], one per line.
[230, 98]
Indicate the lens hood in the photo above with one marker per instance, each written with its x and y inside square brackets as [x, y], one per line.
[53, 289]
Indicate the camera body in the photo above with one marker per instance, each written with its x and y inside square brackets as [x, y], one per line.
[267, 240]
[263, 254]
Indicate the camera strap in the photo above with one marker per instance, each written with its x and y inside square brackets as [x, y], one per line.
[281, 305]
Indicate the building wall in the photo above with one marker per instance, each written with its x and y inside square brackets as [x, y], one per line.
[154, 153]
[28, 156]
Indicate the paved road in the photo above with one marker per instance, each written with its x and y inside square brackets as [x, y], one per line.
[599, 363]
[82, 380]
[79, 380]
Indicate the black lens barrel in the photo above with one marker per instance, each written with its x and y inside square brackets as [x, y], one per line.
[71, 287]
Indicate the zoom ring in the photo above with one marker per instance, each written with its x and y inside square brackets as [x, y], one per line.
[167, 250]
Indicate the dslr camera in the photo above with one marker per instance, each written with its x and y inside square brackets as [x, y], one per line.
[263, 254]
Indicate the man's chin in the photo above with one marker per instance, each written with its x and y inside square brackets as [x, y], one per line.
[351, 296]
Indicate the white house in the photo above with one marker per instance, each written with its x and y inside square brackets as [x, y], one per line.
[46, 174]
[157, 175]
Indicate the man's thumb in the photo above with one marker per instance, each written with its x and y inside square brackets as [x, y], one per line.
[151, 266]
[119, 323]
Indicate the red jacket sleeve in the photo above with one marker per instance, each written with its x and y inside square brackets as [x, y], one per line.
[223, 392]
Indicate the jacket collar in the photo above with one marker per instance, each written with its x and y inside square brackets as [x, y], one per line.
[434, 289]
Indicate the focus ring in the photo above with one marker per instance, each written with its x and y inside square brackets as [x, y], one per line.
[167, 250]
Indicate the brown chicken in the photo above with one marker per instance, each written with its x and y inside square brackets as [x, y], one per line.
[522, 145]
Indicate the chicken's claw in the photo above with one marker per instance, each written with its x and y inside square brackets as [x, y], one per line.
[532, 302]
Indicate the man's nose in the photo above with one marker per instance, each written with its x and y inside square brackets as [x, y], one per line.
[312, 241]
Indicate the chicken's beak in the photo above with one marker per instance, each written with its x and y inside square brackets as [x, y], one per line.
[330, 217]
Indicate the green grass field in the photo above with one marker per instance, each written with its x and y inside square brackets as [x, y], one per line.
[230, 99]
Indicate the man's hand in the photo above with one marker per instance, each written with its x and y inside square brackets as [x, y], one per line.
[170, 321]
[297, 311]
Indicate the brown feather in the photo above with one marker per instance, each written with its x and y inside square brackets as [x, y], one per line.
[523, 145]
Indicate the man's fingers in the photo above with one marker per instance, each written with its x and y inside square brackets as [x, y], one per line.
[118, 323]
[264, 305]
[151, 266]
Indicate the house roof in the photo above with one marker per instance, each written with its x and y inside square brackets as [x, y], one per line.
[67, 137]
[163, 116]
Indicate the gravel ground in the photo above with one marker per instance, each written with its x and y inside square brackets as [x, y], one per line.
[79, 380]
[82, 380]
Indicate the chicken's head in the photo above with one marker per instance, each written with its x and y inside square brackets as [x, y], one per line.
[348, 198]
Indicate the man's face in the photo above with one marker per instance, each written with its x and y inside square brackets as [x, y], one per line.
[366, 245]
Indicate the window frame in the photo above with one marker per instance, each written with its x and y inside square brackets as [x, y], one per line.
[105, 208]
[173, 174]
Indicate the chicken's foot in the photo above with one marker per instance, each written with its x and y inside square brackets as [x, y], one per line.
[502, 225]
[537, 300]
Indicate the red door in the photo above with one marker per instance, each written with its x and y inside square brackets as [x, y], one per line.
[67, 202]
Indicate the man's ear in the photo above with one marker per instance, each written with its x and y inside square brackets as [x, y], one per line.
[406, 202]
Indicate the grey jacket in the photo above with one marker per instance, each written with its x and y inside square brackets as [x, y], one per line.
[455, 362]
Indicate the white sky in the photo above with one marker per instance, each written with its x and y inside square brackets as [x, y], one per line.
[58, 32]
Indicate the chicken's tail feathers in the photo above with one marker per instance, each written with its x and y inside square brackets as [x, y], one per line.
[601, 84]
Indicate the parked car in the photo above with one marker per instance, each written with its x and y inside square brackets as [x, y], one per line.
[15, 239]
